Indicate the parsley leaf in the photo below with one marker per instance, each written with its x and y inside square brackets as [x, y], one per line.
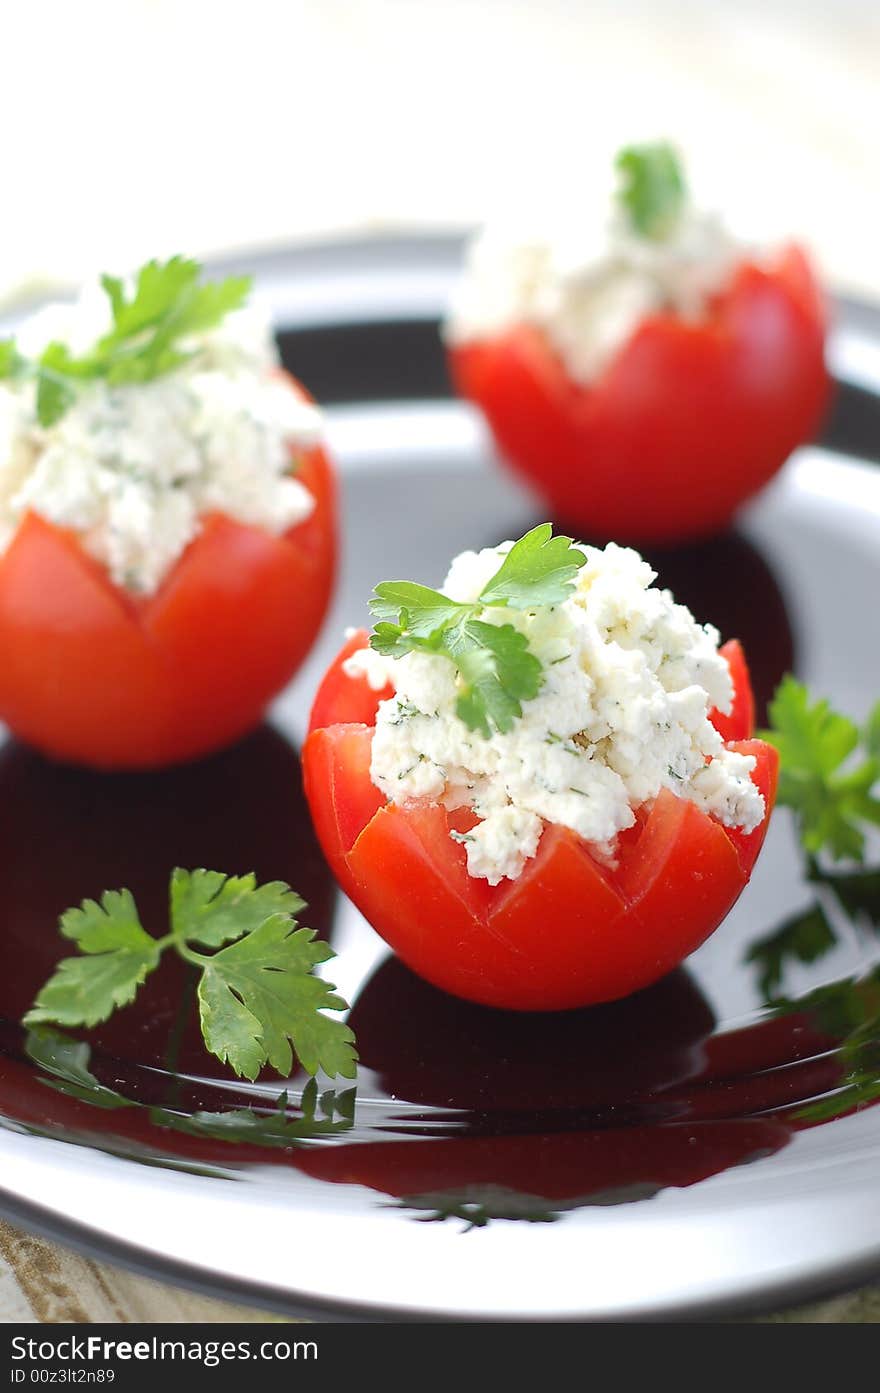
[11, 361]
[497, 670]
[55, 394]
[168, 305]
[119, 956]
[210, 908]
[832, 798]
[420, 611]
[257, 994]
[539, 569]
[497, 673]
[802, 939]
[653, 189]
[858, 892]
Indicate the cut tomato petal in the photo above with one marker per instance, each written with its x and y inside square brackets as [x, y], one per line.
[236, 588]
[565, 919]
[682, 878]
[315, 536]
[411, 882]
[77, 679]
[765, 776]
[740, 722]
[340, 792]
[343, 699]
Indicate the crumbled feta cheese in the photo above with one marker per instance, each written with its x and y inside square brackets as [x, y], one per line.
[588, 294]
[499, 847]
[133, 469]
[629, 679]
[369, 665]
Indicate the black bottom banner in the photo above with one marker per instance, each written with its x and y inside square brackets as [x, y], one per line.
[281, 1354]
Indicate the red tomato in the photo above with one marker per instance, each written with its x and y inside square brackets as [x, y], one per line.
[568, 931]
[740, 723]
[96, 676]
[339, 699]
[686, 422]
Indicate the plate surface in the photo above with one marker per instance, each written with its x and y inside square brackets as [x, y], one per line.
[688, 1151]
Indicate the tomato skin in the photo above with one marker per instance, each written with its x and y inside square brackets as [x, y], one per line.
[340, 792]
[93, 675]
[343, 699]
[740, 723]
[567, 932]
[686, 422]
[565, 901]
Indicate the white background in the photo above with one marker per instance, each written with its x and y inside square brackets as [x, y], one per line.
[140, 127]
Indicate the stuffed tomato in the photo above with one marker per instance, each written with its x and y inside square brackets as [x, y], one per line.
[644, 383]
[539, 783]
[167, 522]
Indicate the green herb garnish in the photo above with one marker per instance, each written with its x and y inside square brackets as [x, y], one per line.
[831, 790]
[803, 939]
[653, 190]
[12, 365]
[169, 304]
[257, 993]
[497, 671]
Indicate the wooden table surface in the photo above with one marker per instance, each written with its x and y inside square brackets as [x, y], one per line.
[43, 1282]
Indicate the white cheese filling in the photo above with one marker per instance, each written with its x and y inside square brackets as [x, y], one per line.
[588, 295]
[629, 680]
[134, 469]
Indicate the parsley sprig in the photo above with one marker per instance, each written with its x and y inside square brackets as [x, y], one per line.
[258, 998]
[496, 669]
[168, 304]
[832, 790]
[652, 189]
[830, 779]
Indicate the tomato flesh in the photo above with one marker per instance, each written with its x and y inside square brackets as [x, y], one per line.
[715, 406]
[96, 676]
[681, 879]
